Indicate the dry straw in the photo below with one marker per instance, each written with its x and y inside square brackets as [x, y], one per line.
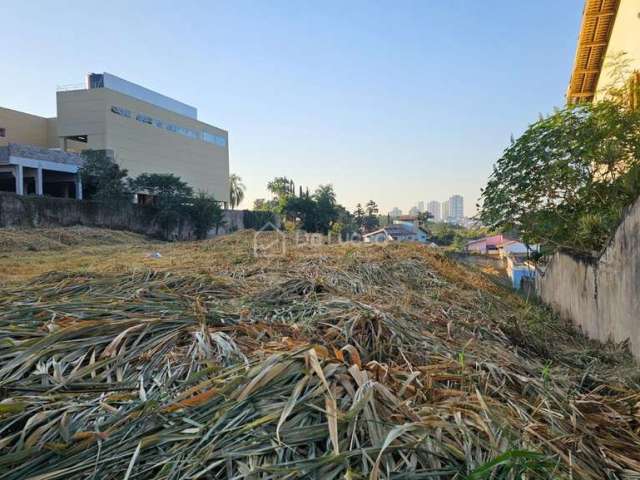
[335, 361]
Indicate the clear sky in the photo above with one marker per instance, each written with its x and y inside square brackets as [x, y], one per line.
[395, 101]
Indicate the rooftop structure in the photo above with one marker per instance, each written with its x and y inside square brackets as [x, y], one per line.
[609, 29]
[399, 232]
[117, 84]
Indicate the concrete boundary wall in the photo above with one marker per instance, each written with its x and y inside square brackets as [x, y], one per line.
[600, 294]
[35, 211]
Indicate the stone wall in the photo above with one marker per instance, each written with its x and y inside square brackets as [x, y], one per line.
[33, 211]
[600, 294]
[233, 221]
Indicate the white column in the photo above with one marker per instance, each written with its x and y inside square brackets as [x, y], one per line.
[39, 189]
[19, 180]
[78, 187]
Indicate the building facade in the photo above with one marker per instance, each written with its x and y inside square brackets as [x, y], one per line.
[456, 208]
[144, 131]
[398, 231]
[33, 170]
[395, 212]
[445, 211]
[433, 208]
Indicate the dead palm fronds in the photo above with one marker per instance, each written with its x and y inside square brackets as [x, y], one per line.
[333, 362]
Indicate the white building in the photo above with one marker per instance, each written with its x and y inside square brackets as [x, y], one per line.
[446, 214]
[421, 206]
[456, 208]
[433, 207]
[514, 247]
[395, 212]
[398, 232]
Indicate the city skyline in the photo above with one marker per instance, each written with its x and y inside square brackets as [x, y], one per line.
[433, 206]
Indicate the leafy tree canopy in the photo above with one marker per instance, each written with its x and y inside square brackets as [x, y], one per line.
[163, 186]
[281, 187]
[102, 178]
[205, 213]
[236, 190]
[565, 182]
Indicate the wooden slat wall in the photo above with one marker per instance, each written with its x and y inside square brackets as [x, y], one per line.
[597, 22]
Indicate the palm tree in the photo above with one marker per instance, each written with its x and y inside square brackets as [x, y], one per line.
[236, 190]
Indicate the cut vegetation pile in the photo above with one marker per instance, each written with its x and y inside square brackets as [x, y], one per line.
[334, 361]
[42, 239]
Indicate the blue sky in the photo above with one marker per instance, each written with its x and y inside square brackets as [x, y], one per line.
[391, 101]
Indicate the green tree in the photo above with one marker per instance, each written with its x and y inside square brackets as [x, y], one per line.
[358, 217]
[303, 211]
[423, 217]
[371, 220]
[260, 204]
[325, 208]
[102, 178]
[205, 212]
[565, 182]
[162, 186]
[281, 187]
[236, 190]
[345, 225]
[170, 197]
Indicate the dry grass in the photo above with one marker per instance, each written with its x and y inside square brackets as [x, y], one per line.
[335, 361]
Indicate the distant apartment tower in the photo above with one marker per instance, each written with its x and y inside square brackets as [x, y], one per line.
[395, 212]
[421, 206]
[445, 211]
[433, 208]
[456, 208]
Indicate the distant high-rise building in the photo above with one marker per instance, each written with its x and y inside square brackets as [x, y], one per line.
[395, 212]
[433, 208]
[456, 208]
[445, 211]
[414, 211]
[421, 206]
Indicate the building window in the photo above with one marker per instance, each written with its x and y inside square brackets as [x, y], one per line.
[218, 140]
[121, 111]
[215, 139]
[3, 132]
[141, 117]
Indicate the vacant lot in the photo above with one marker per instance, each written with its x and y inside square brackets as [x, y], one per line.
[126, 358]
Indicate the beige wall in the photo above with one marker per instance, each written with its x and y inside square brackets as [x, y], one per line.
[27, 129]
[141, 148]
[600, 294]
[625, 37]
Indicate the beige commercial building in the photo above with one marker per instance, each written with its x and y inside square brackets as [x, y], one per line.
[608, 52]
[144, 131]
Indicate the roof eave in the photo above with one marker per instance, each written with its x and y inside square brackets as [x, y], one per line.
[598, 18]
